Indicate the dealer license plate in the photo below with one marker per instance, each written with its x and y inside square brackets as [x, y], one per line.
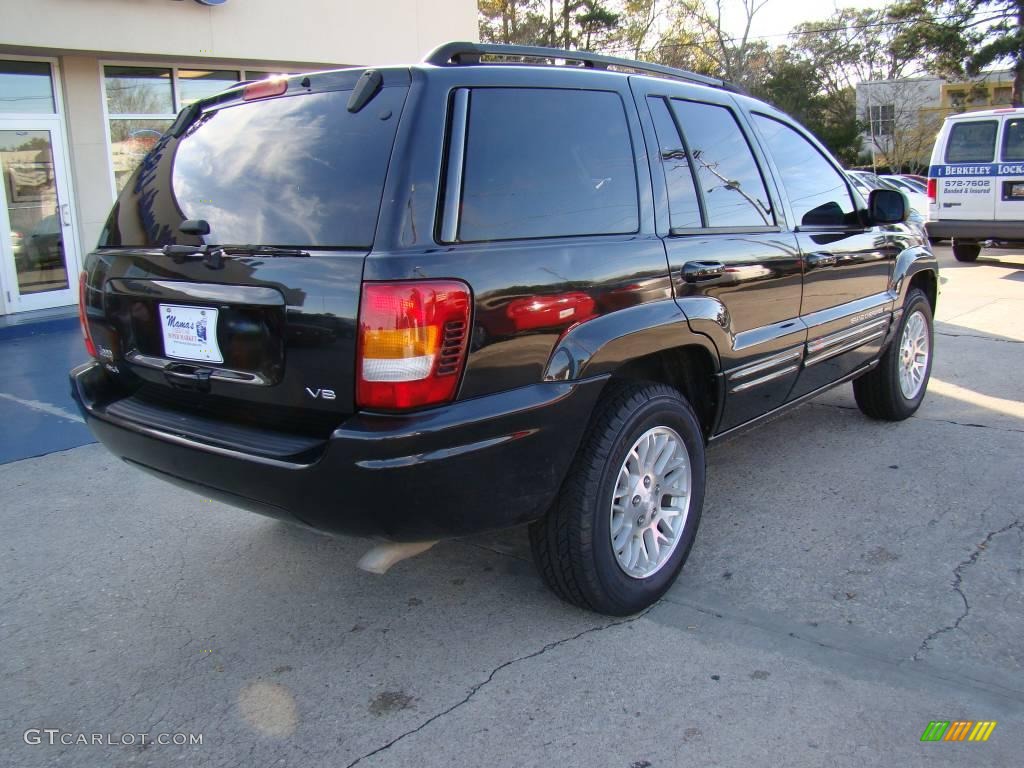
[190, 333]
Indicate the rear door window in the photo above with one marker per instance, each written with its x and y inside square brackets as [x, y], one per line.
[683, 205]
[730, 182]
[972, 142]
[545, 162]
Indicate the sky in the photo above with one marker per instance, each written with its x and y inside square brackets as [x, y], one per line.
[780, 16]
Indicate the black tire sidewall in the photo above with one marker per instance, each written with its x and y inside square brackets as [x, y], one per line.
[916, 301]
[630, 594]
[966, 252]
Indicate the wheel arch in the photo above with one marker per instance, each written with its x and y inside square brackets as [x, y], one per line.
[927, 281]
[649, 342]
[916, 267]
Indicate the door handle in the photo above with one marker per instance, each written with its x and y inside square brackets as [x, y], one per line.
[700, 271]
[65, 214]
[188, 377]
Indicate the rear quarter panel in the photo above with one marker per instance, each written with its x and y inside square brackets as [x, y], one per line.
[527, 293]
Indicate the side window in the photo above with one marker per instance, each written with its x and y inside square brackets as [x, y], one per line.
[683, 206]
[1013, 139]
[547, 163]
[973, 142]
[817, 191]
[731, 184]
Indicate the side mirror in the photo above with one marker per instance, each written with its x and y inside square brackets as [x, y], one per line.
[887, 206]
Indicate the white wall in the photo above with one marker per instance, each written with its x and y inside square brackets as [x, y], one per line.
[296, 31]
[908, 97]
[87, 144]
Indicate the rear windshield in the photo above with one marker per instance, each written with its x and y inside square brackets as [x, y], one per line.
[973, 142]
[294, 171]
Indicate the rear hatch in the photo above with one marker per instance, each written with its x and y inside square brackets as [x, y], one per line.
[254, 321]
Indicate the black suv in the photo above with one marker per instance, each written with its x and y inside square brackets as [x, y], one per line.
[510, 285]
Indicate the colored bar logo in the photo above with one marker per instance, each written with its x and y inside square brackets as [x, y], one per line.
[958, 730]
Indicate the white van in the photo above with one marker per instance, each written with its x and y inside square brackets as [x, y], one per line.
[976, 180]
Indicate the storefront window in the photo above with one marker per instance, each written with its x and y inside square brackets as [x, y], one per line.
[26, 86]
[142, 102]
[195, 84]
[139, 91]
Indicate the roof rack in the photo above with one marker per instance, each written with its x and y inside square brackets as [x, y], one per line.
[454, 54]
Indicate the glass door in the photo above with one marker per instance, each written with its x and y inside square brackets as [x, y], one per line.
[37, 235]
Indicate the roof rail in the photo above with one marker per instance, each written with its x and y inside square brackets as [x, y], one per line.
[453, 54]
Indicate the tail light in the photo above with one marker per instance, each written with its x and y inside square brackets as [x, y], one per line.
[412, 343]
[82, 318]
[933, 189]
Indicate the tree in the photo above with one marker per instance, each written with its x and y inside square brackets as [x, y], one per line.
[829, 58]
[855, 45]
[595, 21]
[697, 38]
[963, 37]
[636, 34]
[792, 83]
[584, 24]
[512, 21]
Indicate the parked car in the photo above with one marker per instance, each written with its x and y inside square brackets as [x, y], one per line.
[864, 183]
[45, 247]
[661, 261]
[976, 180]
[18, 247]
[918, 199]
[905, 183]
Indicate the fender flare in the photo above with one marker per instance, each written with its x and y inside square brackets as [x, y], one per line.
[912, 261]
[600, 346]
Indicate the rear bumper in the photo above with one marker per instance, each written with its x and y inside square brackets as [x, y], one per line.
[481, 464]
[965, 229]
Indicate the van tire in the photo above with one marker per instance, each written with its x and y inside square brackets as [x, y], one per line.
[966, 251]
[572, 544]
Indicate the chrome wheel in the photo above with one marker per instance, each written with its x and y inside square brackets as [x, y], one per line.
[914, 351]
[651, 502]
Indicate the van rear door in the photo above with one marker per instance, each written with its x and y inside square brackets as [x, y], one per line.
[965, 171]
[1009, 197]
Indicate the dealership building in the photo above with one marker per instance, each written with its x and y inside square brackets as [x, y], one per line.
[88, 86]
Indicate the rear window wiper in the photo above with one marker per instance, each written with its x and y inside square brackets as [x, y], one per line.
[260, 250]
[213, 255]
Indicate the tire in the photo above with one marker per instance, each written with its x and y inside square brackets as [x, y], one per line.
[879, 392]
[573, 546]
[966, 251]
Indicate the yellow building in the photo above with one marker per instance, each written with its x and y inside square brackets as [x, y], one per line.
[992, 92]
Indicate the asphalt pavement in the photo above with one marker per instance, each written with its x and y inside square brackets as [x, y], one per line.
[852, 581]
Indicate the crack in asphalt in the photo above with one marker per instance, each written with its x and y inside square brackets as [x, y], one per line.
[479, 686]
[926, 418]
[978, 336]
[957, 582]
